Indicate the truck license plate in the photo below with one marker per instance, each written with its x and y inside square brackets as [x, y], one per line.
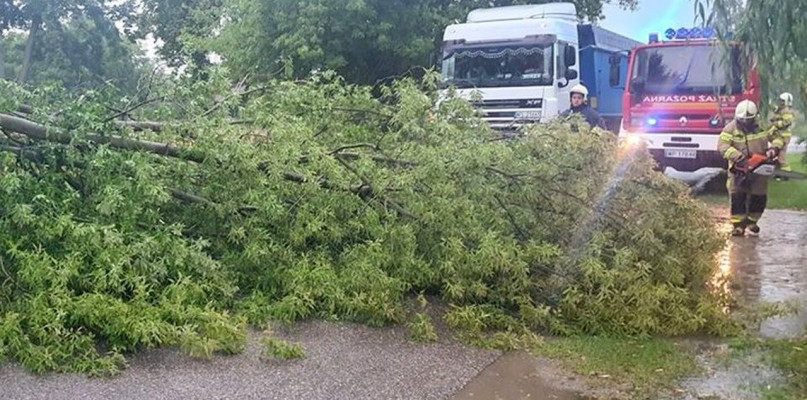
[680, 154]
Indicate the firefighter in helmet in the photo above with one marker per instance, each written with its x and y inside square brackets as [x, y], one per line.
[739, 140]
[578, 97]
[782, 121]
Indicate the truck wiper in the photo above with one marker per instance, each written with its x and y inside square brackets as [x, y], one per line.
[686, 74]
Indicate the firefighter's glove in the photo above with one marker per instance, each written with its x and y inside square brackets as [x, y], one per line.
[772, 153]
[741, 165]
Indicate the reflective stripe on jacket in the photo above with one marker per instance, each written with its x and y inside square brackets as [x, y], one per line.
[736, 144]
[783, 121]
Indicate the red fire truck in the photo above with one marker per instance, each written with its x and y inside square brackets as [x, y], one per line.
[681, 92]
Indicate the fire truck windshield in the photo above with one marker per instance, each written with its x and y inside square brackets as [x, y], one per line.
[686, 69]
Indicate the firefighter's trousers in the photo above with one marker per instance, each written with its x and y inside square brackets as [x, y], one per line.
[749, 196]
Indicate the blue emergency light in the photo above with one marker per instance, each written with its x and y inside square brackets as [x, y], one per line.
[684, 34]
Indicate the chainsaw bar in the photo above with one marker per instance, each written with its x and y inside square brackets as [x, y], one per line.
[789, 174]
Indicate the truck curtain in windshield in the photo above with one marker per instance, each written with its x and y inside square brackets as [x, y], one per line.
[497, 66]
[687, 69]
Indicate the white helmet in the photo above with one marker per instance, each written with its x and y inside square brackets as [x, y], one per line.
[786, 98]
[746, 111]
[579, 89]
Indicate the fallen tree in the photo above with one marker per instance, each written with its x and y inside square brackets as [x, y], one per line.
[333, 204]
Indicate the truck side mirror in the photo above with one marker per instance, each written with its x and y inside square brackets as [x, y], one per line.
[569, 75]
[569, 58]
[615, 72]
[636, 86]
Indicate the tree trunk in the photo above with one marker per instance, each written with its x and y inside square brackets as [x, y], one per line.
[36, 21]
[2, 59]
[42, 132]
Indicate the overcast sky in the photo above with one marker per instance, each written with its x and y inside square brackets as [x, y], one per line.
[650, 16]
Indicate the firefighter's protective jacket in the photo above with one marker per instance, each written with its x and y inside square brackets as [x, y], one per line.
[736, 144]
[783, 121]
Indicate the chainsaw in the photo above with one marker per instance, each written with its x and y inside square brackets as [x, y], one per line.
[760, 164]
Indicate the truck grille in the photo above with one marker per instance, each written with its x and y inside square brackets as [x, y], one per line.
[517, 103]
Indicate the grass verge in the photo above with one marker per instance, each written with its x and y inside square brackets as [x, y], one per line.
[791, 194]
[644, 367]
[790, 357]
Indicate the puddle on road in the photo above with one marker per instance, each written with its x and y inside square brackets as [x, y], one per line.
[765, 269]
[740, 379]
[517, 376]
[770, 268]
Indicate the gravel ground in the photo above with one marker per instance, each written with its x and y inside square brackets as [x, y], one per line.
[343, 361]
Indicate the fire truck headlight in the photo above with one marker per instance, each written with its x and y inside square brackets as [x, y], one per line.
[635, 140]
[632, 141]
[652, 121]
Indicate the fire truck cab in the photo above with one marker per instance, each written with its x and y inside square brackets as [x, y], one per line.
[681, 92]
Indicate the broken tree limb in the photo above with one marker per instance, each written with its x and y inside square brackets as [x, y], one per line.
[128, 110]
[231, 96]
[24, 110]
[355, 146]
[192, 198]
[31, 129]
[142, 125]
[156, 126]
[24, 152]
[189, 198]
[41, 132]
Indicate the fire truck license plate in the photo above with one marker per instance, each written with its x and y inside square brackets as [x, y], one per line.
[680, 153]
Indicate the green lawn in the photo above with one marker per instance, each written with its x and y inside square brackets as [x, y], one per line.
[648, 366]
[793, 193]
[789, 356]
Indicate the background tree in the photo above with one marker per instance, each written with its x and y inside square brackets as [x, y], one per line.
[74, 43]
[10, 16]
[364, 40]
[774, 31]
[183, 27]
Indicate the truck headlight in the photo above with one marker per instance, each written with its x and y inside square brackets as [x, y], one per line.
[633, 141]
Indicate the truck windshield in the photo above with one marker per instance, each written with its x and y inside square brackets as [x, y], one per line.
[522, 65]
[696, 69]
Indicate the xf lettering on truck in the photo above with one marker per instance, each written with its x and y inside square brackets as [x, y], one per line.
[688, 99]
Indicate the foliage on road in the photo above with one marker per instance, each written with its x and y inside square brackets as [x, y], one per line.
[323, 201]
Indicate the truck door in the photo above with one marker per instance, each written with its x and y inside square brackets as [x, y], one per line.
[568, 72]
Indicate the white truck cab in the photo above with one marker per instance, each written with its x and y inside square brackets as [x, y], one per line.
[522, 59]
